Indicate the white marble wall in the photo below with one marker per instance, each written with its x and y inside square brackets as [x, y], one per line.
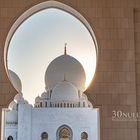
[32, 122]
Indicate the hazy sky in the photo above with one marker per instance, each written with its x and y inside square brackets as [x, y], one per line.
[40, 39]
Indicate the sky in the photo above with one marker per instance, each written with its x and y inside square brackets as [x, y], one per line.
[40, 39]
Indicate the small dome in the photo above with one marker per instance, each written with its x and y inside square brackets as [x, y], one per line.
[15, 80]
[84, 96]
[37, 99]
[12, 105]
[44, 95]
[19, 99]
[25, 101]
[90, 104]
[64, 91]
[68, 66]
[12, 116]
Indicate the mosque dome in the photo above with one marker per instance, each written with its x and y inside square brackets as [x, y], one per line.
[64, 91]
[44, 95]
[37, 99]
[68, 66]
[12, 116]
[19, 99]
[15, 80]
[12, 105]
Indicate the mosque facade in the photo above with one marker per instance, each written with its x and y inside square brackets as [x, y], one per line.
[62, 112]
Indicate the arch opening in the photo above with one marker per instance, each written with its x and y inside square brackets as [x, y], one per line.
[64, 133]
[10, 138]
[84, 136]
[44, 136]
[26, 17]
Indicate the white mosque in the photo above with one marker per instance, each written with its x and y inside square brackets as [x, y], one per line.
[62, 112]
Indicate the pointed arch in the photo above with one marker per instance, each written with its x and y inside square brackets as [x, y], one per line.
[37, 8]
[10, 138]
[64, 132]
[84, 136]
[44, 136]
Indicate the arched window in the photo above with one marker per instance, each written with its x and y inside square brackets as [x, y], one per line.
[40, 104]
[44, 136]
[79, 93]
[50, 93]
[78, 104]
[64, 133]
[83, 104]
[50, 104]
[84, 136]
[46, 104]
[10, 138]
[67, 104]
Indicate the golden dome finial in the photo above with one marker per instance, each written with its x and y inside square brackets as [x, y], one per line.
[65, 49]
